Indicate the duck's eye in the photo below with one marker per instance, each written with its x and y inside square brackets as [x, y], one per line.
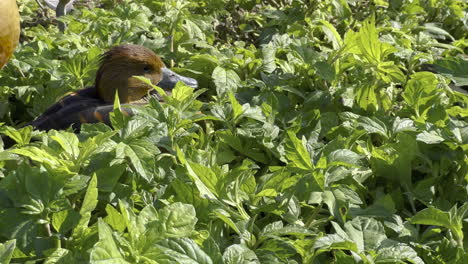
[147, 69]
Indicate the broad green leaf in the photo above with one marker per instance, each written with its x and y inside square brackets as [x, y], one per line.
[176, 220]
[69, 143]
[123, 150]
[332, 34]
[239, 254]
[420, 92]
[236, 107]
[454, 68]
[199, 175]
[226, 81]
[334, 241]
[182, 92]
[181, 250]
[297, 153]
[269, 64]
[38, 155]
[366, 97]
[391, 251]
[432, 216]
[367, 233]
[147, 82]
[325, 70]
[114, 218]
[403, 124]
[66, 220]
[59, 256]
[429, 137]
[451, 220]
[106, 250]
[6, 251]
[344, 157]
[21, 136]
[437, 31]
[89, 204]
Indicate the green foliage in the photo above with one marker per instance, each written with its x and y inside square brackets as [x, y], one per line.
[315, 136]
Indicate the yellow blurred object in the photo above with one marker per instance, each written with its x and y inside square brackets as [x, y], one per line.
[9, 29]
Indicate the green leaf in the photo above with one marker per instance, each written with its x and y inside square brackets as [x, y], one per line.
[176, 220]
[21, 136]
[39, 155]
[452, 220]
[6, 251]
[197, 174]
[182, 92]
[453, 68]
[89, 204]
[420, 92]
[106, 250]
[236, 107]
[403, 124]
[367, 233]
[69, 143]
[432, 216]
[226, 81]
[181, 250]
[66, 220]
[269, 64]
[123, 150]
[392, 251]
[114, 218]
[332, 34]
[430, 137]
[373, 125]
[239, 254]
[366, 97]
[147, 82]
[335, 242]
[325, 70]
[344, 157]
[297, 153]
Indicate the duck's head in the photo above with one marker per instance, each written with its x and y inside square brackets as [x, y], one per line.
[121, 63]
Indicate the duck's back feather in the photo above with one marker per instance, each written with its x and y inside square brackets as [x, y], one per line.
[73, 110]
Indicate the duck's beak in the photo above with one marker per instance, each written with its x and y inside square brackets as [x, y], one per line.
[170, 79]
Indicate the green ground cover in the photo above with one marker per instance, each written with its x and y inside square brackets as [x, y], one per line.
[315, 136]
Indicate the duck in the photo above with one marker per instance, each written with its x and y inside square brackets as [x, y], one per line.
[115, 74]
[9, 29]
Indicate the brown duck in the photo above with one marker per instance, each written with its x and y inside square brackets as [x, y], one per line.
[116, 71]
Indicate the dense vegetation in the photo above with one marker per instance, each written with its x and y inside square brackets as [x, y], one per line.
[315, 136]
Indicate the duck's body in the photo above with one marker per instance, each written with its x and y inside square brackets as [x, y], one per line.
[72, 110]
[9, 29]
[118, 66]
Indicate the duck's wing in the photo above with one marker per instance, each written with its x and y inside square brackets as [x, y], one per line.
[77, 113]
[62, 116]
[86, 96]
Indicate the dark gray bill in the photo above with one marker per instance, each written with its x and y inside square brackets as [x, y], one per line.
[170, 79]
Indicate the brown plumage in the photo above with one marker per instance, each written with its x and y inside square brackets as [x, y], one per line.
[119, 65]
